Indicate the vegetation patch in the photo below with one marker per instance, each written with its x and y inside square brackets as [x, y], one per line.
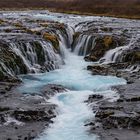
[108, 41]
[53, 39]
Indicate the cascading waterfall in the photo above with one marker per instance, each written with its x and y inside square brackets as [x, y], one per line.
[116, 55]
[73, 112]
[40, 56]
[35, 56]
[84, 44]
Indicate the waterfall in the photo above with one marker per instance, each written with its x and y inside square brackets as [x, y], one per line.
[70, 32]
[34, 56]
[116, 55]
[38, 55]
[84, 44]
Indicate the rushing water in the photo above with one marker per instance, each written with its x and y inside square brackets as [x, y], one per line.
[73, 112]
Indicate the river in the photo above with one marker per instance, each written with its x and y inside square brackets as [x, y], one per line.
[72, 112]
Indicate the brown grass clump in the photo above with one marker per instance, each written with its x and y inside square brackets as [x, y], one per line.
[19, 25]
[53, 39]
[1, 21]
[108, 41]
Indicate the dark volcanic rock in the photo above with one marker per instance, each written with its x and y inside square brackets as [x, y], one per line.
[103, 44]
[94, 98]
[116, 69]
[33, 115]
[23, 116]
[122, 114]
[52, 89]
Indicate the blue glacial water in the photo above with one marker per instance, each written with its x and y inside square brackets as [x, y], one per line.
[73, 112]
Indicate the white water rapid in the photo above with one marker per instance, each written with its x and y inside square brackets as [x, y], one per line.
[73, 112]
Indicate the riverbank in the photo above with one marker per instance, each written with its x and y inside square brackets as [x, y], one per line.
[25, 116]
[117, 120]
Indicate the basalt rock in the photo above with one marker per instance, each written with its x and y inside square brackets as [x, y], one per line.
[103, 44]
[94, 98]
[29, 46]
[51, 89]
[102, 70]
[23, 116]
[33, 115]
[122, 114]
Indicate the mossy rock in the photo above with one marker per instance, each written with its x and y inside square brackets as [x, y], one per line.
[40, 52]
[108, 40]
[2, 21]
[8, 30]
[44, 24]
[19, 25]
[107, 29]
[2, 75]
[33, 32]
[11, 60]
[103, 44]
[132, 57]
[53, 39]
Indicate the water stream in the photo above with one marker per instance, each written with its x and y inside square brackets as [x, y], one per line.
[73, 112]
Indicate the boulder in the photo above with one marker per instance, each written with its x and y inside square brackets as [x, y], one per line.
[52, 89]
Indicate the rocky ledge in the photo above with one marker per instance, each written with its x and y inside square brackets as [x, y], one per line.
[24, 116]
[118, 120]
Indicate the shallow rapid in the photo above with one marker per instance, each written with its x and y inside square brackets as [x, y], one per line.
[73, 112]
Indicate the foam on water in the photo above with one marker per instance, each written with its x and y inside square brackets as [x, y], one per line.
[73, 112]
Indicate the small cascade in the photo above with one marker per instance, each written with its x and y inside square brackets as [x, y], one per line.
[117, 54]
[36, 54]
[65, 40]
[33, 56]
[70, 32]
[84, 44]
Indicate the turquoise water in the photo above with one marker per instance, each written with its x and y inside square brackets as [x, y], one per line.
[73, 112]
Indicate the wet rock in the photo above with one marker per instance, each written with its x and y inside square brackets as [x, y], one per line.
[94, 98]
[101, 70]
[23, 115]
[33, 115]
[103, 44]
[132, 57]
[52, 89]
[108, 106]
[121, 120]
[122, 114]
[104, 114]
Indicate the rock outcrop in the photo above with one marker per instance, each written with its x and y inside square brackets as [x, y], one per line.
[30, 46]
[25, 116]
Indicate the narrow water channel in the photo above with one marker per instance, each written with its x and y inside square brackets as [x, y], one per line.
[73, 112]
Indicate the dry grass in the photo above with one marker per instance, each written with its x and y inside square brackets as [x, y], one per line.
[117, 8]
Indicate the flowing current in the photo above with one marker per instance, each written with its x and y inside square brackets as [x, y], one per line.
[73, 112]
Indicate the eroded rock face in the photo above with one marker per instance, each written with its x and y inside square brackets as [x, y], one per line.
[30, 46]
